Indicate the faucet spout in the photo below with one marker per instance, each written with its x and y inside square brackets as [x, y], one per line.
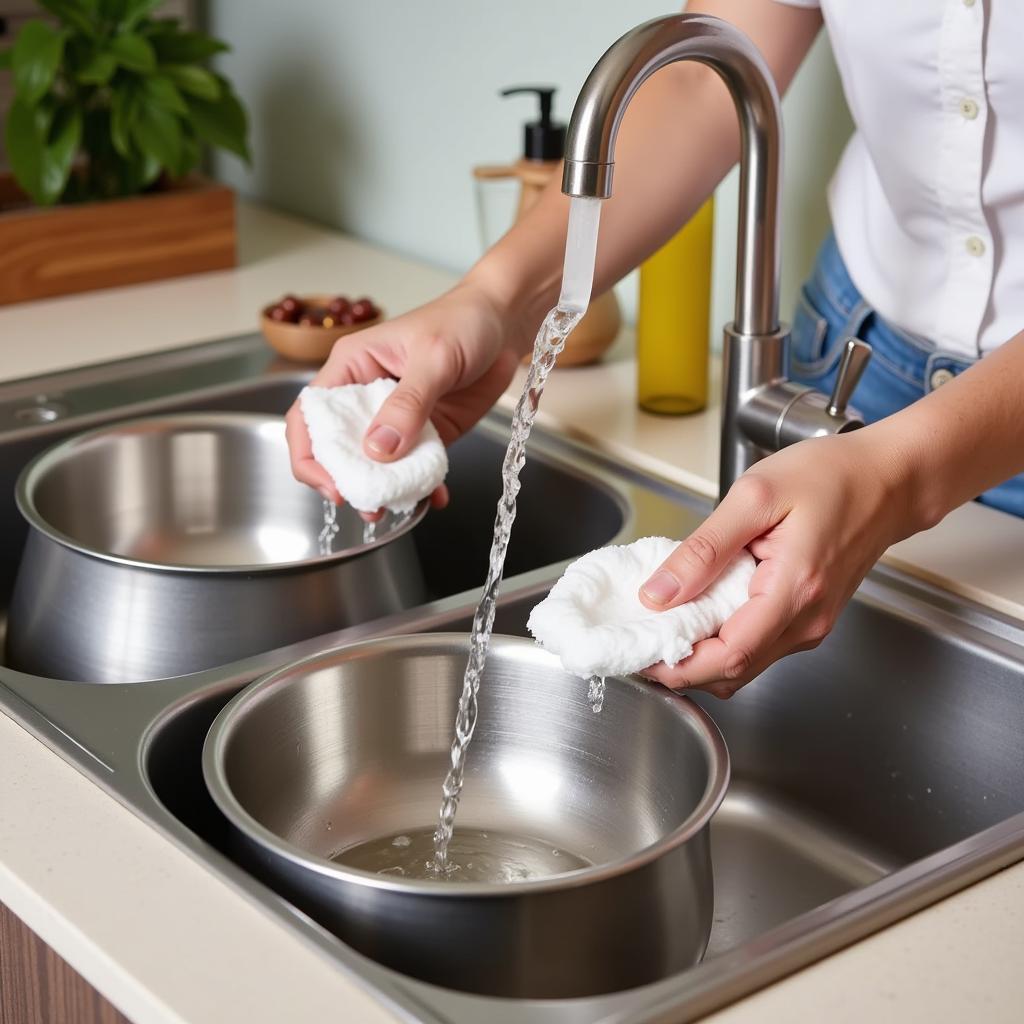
[590, 147]
[761, 410]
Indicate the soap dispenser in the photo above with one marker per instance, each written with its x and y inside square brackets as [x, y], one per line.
[543, 149]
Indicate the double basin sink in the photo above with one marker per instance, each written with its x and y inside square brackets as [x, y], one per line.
[871, 777]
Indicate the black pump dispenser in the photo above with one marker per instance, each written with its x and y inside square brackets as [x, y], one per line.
[543, 139]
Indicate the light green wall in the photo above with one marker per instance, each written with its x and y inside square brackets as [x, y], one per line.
[369, 114]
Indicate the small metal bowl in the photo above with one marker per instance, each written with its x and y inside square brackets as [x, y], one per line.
[169, 545]
[352, 745]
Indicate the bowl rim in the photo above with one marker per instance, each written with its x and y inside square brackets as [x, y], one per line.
[32, 474]
[227, 722]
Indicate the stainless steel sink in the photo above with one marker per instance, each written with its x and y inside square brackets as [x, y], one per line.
[871, 777]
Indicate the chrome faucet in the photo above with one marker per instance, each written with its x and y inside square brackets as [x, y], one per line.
[762, 411]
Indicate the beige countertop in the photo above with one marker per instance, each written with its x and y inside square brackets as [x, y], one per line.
[167, 941]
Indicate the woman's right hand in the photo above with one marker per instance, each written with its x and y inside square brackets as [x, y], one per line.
[452, 358]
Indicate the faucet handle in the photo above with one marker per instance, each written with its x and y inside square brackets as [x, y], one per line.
[852, 364]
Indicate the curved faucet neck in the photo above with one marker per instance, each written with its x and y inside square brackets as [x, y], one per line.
[628, 63]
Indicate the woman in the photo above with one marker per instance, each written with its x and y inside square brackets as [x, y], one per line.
[928, 211]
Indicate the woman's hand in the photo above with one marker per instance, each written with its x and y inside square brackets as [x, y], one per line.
[452, 357]
[817, 516]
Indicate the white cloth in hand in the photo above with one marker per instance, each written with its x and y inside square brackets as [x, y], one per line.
[594, 621]
[337, 419]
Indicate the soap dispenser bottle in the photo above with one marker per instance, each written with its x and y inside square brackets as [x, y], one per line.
[543, 149]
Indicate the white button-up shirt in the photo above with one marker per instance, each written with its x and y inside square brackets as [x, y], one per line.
[928, 199]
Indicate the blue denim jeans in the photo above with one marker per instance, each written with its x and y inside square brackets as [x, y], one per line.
[903, 367]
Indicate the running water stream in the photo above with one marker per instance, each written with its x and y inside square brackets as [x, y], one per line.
[577, 280]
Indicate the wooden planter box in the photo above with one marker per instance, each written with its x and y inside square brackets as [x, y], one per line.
[186, 229]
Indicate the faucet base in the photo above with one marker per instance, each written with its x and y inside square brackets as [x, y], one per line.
[751, 364]
[762, 411]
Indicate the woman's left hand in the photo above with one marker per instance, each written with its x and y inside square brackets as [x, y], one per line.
[817, 516]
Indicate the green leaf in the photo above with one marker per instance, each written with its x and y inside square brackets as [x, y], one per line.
[74, 13]
[112, 10]
[59, 154]
[186, 47]
[161, 91]
[123, 109]
[157, 133]
[25, 138]
[42, 148]
[133, 52]
[35, 59]
[161, 26]
[197, 81]
[98, 69]
[5, 59]
[221, 122]
[190, 155]
[136, 10]
[136, 174]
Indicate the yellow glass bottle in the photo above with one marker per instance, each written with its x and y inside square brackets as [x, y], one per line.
[673, 320]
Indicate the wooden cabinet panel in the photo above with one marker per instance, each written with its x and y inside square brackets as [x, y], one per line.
[38, 987]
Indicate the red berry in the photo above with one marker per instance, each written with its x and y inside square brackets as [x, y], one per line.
[281, 315]
[313, 317]
[363, 310]
[291, 304]
[338, 305]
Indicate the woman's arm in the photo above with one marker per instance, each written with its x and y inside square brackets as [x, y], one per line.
[678, 139]
[821, 513]
[455, 356]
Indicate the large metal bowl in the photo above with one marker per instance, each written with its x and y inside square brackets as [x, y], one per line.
[168, 545]
[352, 745]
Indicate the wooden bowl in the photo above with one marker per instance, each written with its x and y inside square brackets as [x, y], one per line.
[305, 343]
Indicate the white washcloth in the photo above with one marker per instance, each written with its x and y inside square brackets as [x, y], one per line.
[594, 621]
[337, 419]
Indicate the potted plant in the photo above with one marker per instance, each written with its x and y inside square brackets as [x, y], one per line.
[111, 110]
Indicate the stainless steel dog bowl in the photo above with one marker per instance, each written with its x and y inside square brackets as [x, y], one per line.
[164, 546]
[352, 745]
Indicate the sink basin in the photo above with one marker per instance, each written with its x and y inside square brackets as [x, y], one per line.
[872, 776]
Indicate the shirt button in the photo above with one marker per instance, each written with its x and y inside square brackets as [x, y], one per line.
[940, 377]
[975, 246]
[968, 109]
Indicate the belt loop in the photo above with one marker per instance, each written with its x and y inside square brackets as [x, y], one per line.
[855, 321]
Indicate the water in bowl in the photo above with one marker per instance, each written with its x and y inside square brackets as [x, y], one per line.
[474, 855]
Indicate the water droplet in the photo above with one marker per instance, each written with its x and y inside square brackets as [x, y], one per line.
[325, 539]
[329, 826]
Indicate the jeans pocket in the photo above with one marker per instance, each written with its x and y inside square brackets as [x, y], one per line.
[813, 344]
